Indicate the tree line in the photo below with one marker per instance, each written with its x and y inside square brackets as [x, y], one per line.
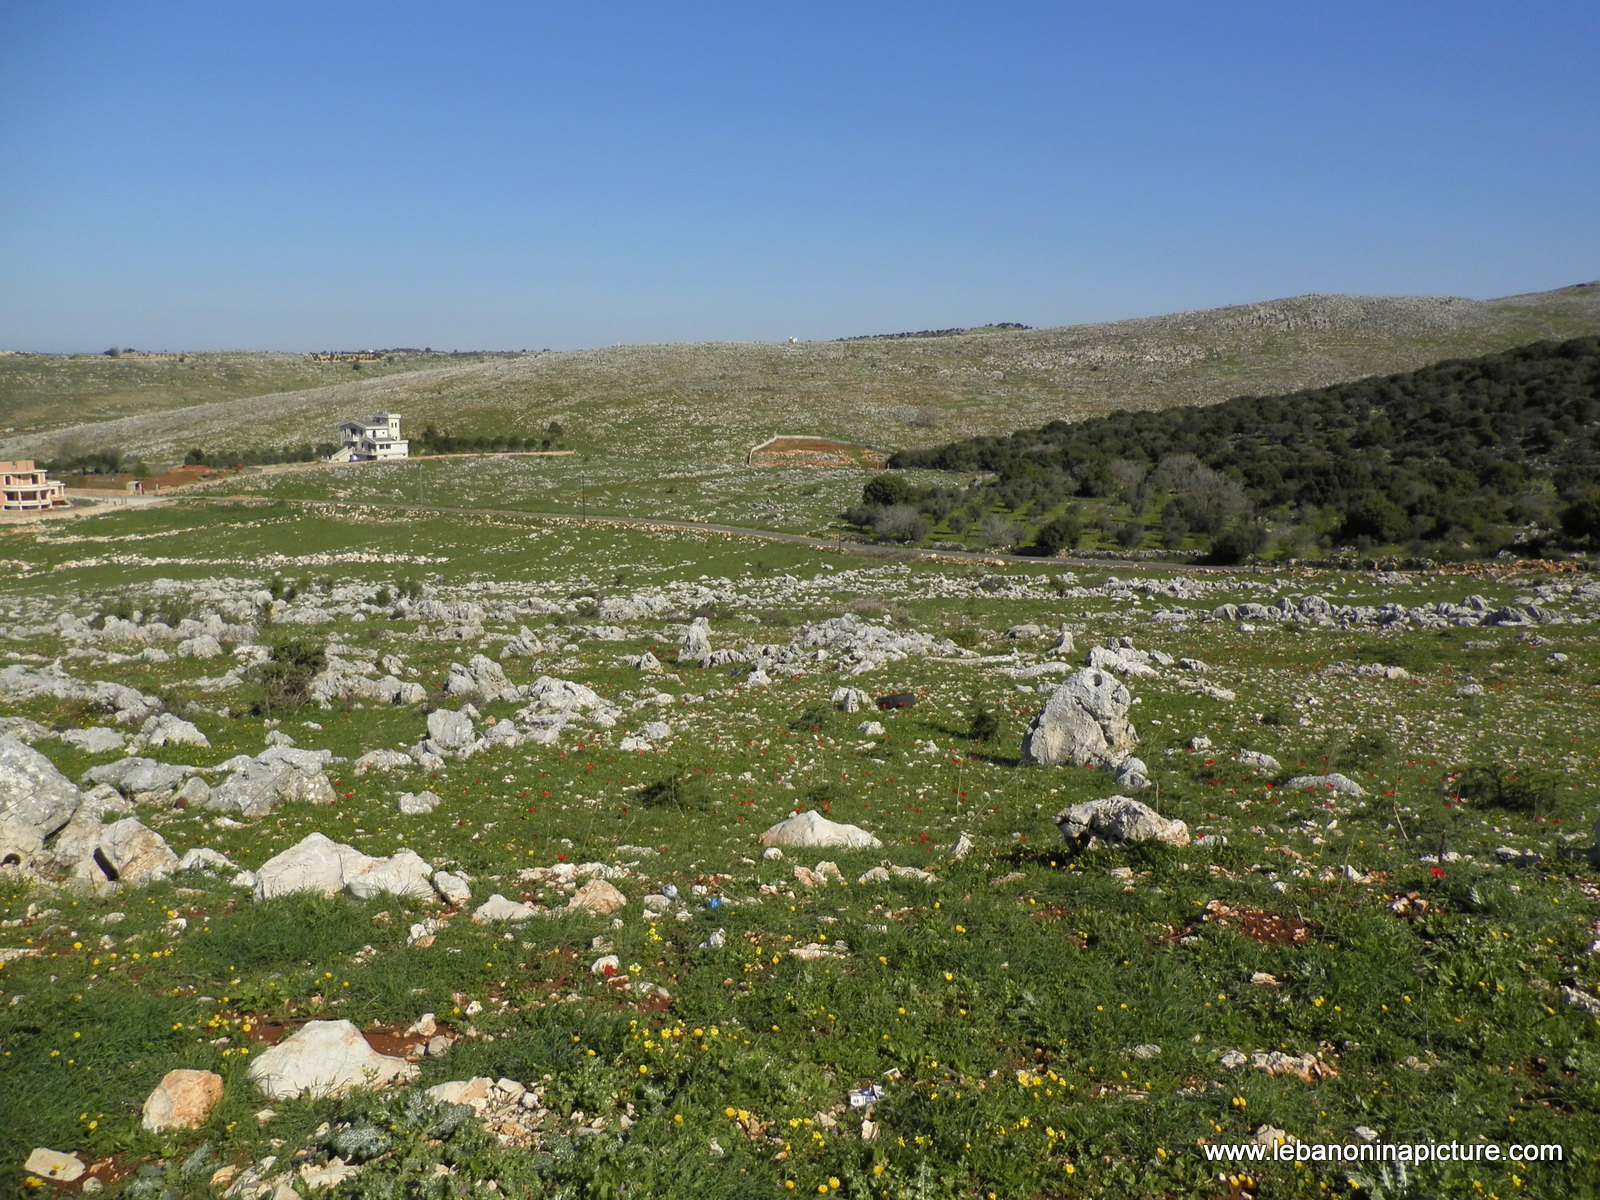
[1462, 458]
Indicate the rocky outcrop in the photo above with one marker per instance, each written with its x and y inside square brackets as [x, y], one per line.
[182, 1100]
[696, 647]
[319, 864]
[141, 780]
[1085, 721]
[812, 829]
[1119, 821]
[482, 680]
[280, 774]
[33, 794]
[325, 1059]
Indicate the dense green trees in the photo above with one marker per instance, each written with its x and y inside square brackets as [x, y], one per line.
[1462, 452]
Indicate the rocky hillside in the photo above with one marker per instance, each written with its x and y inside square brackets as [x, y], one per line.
[703, 404]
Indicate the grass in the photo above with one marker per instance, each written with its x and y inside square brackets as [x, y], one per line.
[41, 392]
[998, 1006]
[693, 411]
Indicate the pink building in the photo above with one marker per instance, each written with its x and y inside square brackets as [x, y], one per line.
[26, 488]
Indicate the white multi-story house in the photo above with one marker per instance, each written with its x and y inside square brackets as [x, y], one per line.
[368, 441]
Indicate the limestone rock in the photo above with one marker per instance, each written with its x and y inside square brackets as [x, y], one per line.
[165, 729]
[811, 828]
[1119, 820]
[52, 1164]
[696, 647]
[182, 1100]
[452, 888]
[96, 739]
[449, 730]
[850, 699]
[204, 646]
[403, 873]
[142, 780]
[1259, 760]
[318, 864]
[416, 804]
[20, 844]
[127, 852]
[498, 908]
[597, 896]
[482, 679]
[1084, 721]
[1333, 782]
[32, 791]
[280, 775]
[325, 1058]
[383, 760]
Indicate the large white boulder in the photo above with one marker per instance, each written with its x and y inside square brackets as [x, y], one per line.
[1119, 821]
[325, 1058]
[811, 828]
[1085, 721]
[32, 792]
[319, 864]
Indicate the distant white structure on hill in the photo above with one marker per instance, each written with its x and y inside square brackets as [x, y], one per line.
[368, 441]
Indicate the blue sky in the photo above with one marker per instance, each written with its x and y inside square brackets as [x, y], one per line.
[495, 174]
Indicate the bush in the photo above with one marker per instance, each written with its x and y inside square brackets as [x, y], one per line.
[901, 523]
[1054, 536]
[1237, 543]
[984, 724]
[886, 490]
[1492, 786]
[284, 680]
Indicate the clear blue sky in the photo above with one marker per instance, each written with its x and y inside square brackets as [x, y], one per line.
[518, 173]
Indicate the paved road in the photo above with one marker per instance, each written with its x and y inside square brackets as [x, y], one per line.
[799, 539]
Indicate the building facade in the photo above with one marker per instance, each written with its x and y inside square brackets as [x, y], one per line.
[26, 488]
[370, 441]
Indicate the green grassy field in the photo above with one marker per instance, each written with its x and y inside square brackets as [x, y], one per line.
[1006, 1007]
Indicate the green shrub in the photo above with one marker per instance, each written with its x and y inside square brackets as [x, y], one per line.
[284, 681]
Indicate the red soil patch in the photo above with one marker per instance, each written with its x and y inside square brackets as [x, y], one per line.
[815, 452]
[1271, 929]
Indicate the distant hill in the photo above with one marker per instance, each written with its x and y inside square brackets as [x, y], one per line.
[694, 405]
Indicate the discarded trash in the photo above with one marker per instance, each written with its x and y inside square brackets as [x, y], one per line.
[865, 1097]
[897, 700]
[716, 941]
[669, 890]
[714, 902]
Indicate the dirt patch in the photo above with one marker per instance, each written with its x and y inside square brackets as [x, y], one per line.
[1270, 929]
[816, 452]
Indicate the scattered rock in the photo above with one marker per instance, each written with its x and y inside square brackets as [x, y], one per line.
[1333, 782]
[416, 804]
[812, 829]
[96, 739]
[52, 1164]
[126, 852]
[598, 897]
[182, 1100]
[32, 792]
[383, 760]
[323, 1059]
[319, 864]
[498, 908]
[1119, 821]
[165, 729]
